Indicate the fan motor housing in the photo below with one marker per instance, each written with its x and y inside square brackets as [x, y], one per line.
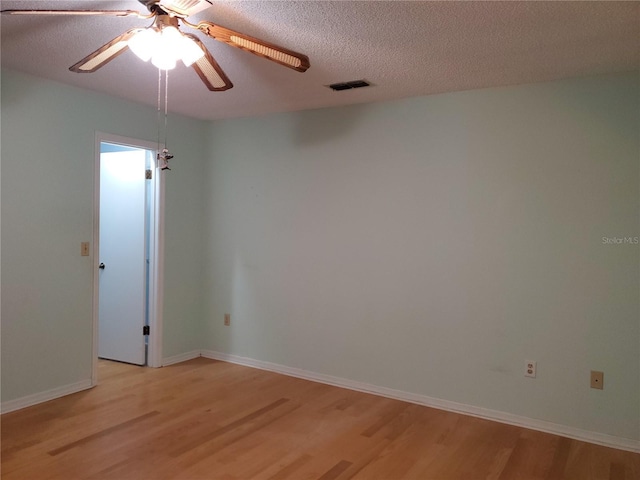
[182, 8]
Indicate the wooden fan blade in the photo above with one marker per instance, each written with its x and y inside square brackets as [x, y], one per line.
[209, 71]
[270, 51]
[116, 13]
[105, 53]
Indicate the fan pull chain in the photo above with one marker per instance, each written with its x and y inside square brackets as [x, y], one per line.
[163, 156]
[166, 104]
[158, 114]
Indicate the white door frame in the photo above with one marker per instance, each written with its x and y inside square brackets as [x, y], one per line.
[156, 251]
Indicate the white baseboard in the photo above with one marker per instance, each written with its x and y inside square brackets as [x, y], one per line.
[495, 415]
[183, 357]
[502, 417]
[40, 397]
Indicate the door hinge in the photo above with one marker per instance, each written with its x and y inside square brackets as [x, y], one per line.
[146, 330]
[148, 174]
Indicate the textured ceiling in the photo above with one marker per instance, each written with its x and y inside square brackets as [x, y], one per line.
[403, 48]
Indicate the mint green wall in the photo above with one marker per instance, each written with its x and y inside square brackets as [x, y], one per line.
[429, 245]
[47, 148]
[433, 244]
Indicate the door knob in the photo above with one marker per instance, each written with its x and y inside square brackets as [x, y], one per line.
[101, 266]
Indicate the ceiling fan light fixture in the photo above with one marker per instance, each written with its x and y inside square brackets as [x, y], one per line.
[163, 60]
[168, 45]
[165, 47]
[190, 51]
[143, 43]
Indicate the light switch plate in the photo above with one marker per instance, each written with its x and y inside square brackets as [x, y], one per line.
[84, 249]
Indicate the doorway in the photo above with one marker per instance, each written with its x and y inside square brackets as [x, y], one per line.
[128, 245]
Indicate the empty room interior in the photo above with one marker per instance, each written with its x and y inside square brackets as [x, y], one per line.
[375, 240]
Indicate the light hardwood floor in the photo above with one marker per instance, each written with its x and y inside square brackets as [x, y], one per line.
[205, 419]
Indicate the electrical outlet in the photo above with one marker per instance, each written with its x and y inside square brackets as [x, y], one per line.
[227, 319]
[530, 368]
[84, 249]
[597, 380]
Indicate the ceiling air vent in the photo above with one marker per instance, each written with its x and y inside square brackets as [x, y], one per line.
[349, 85]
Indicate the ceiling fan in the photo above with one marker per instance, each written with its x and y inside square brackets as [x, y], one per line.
[164, 44]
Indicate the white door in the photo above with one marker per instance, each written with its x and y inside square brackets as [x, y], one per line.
[122, 286]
